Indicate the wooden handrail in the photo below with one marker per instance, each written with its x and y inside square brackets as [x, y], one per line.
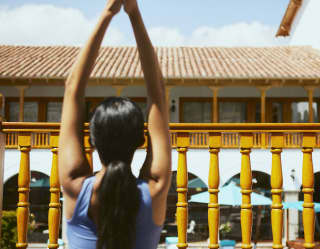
[198, 133]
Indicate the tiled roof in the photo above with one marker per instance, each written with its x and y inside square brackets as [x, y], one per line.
[288, 18]
[19, 62]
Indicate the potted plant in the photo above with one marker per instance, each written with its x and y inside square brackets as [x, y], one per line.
[225, 229]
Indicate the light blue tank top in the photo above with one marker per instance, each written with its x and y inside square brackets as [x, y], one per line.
[82, 231]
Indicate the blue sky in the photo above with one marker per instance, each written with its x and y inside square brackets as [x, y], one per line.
[170, 22]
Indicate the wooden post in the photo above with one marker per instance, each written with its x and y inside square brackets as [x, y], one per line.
[2, 112]
[182, 189]
[213, 184]
[215, 105]
[263, 91]
[88, 150]
[308, 214]
[22, 90]
[246, 143]
[54, 206]
[168, 90]
[119, 90]
[277, 143]
[24, 141]
[2, 149]
[310, 91]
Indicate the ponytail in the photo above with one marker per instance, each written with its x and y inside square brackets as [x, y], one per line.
[119, 201]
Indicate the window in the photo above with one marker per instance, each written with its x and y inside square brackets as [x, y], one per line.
[197, 112]
[31, 110]
[232, 112]
[277, 112]
[300, 112]
[14, 108]
[54, 110]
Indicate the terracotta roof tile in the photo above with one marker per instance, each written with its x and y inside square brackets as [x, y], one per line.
[176, 63]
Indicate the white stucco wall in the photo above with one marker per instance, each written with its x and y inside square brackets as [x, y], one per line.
[197, 160]
[305, 27]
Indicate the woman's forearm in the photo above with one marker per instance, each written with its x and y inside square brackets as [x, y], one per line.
[149, 60]
[72, 160]
[158, 162]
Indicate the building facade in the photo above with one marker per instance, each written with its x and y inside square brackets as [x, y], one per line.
[203, 85]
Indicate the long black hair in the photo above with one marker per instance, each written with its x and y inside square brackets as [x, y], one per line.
[117, 130]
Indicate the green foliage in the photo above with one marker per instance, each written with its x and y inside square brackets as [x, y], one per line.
[225, 228]
[9, 230]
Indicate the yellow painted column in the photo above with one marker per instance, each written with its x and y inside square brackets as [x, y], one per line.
[277, 143]
[182, 189]
[308, 214]
[24, 141]
[213, 184]
[54, 206]
[88, 150]
[246, 143]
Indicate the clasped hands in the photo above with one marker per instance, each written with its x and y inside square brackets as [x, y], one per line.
[114, 6]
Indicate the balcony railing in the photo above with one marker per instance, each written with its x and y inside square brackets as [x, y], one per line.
[213, 137]
[40, 136]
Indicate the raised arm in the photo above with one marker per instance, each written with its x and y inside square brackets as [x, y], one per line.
[157, 168]
[73, 166]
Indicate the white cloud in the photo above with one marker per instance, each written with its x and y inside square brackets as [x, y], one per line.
[51, 25]
[48, 25]
[163, 36]
[238, 34]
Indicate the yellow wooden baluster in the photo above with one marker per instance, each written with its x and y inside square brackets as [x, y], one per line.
[308, 214]
[277, 143]
[54, 206]
[182, 189]
[246, 143]
[213, 183]
[88, 150]
[24, 142]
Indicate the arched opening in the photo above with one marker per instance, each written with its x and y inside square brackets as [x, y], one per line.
[261, 226]
[39, 198]
[197, 212]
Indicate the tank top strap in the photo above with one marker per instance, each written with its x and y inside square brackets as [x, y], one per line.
[83, 201]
